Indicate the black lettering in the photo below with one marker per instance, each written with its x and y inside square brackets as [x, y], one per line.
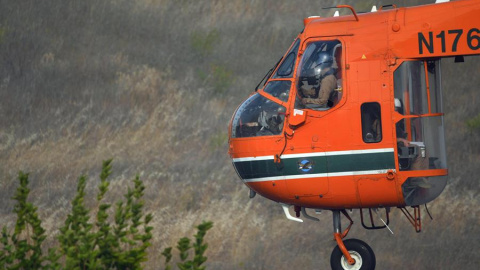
[422, 41]
[471, 38]
[459, 33]
[441, 36]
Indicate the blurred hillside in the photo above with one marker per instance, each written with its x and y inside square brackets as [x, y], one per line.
[153, 84]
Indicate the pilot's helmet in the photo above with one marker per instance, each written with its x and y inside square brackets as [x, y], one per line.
[324, 61]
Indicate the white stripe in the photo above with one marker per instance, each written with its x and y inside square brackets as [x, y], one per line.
[315, 154]
[318, 154]
[317, 175]
[354, 152]
[253, 158]
[358, 173]
[286, 177]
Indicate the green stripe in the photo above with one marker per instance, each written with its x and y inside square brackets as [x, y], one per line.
[321, 164]
[361, 162]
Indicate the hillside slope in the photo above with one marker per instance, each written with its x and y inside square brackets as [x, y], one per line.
[153, 84]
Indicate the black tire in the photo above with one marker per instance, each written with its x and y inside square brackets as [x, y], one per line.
[357, 248]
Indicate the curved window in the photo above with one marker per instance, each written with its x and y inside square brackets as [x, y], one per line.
[278, 89]
[258, 116]
[421, 190]
[286, 68]
[420, 137]
[319, 75]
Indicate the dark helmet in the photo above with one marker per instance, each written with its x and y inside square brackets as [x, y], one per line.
[325, 60]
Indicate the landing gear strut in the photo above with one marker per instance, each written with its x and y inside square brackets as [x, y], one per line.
[351, 254]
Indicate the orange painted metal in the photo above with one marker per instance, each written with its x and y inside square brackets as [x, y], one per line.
[373, 47]
[428, 88]
[338, 239]
[415, 219]
[351, 9]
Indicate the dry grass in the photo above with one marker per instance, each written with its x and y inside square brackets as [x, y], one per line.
[81, 82]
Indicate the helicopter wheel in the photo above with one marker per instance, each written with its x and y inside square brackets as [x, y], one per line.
[360, 252]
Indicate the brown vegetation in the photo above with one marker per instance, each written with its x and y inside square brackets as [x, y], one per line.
[153, 84]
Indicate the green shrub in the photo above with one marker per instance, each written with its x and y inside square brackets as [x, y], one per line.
[91, 245]
[203, 42]
[219, 77]
[222, 78]
[22, 249]
[184, 246]
[474, 123]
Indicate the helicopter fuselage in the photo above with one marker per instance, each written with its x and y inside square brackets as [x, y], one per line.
[378, 140]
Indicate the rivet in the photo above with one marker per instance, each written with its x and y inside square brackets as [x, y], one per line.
[396, 27]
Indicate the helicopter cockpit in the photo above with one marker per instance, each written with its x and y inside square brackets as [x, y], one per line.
[263, 114]
[318, 87]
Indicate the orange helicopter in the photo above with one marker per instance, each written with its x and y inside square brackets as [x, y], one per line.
[351, 118]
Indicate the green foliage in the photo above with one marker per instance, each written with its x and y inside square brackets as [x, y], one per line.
[167, 253]
[474, 123]
[22, 249]
[222, 78]
[199, 248]
[76, 237]
[219, 77]
[103, 237]
[86, 245]
[132, 234]
[183, 247]
[122, 246]
[203, 42]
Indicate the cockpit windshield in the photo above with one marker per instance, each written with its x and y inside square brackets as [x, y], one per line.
[258, 116]
[278, 89]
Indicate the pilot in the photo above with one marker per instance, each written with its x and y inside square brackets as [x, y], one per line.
[327, 82]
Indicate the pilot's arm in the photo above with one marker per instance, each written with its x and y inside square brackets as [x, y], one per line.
[328, 85]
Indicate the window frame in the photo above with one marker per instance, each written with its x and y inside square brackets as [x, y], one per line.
[340, 75]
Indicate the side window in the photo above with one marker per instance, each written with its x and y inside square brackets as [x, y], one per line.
[371, 122]
[286, 68]
[420, 136]
[319, 81]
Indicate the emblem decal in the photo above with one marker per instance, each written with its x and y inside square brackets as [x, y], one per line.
[305, 165]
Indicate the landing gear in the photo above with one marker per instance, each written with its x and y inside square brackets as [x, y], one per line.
[359, 251]
[351, 254]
